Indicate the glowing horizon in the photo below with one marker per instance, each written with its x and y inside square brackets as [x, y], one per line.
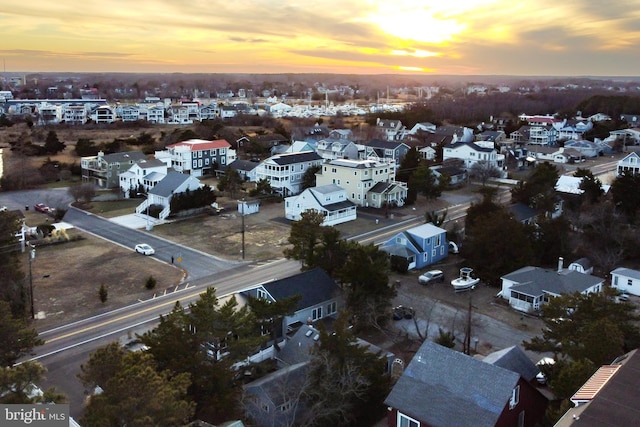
[479, 37]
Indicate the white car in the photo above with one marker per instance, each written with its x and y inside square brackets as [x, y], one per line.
[144, 249]
[431, 276]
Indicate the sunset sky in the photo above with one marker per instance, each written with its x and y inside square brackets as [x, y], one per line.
[459, 37]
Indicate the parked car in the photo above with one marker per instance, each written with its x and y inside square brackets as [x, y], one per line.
[41, 207]
[401, 312]
[624, 297]
[143, 248]
[453, 248]
[431, 276]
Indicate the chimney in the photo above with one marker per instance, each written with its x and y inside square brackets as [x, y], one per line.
[560, 264]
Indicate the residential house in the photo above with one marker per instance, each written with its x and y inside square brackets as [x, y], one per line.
[574, 129]
[626, 280]
[74, 114]
[497, 137]
[103, 170]
[300, 146]
[422, 127]
[585, 147]
[630, 164]
[245, 168]
[320, 297]
[129, 113]
[529, 288]
[457, 175]
[330, 200]
[346, 134]
[609, 397]
[523, 213]
[275, 399]
[471, 153]
[386, 151]
[556, 155]
[633, 120]
[142, 175]
[161, 193]
[421, 246]
[209, 112]
[393, 130]
[444, 388]
[331, 148]
[198, 157]
[155, 114]
[228, 112]
[49, 114]
[285, 171]
[427, 153]
[103, 114]
[360, 179]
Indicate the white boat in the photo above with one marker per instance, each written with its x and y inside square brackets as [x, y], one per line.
[466, 281]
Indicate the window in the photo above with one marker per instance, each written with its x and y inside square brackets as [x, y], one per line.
[316, 313]
[629, 282]
[331, 308]
[515, 397]
[404, 421]
[521, 419]
[261, 294]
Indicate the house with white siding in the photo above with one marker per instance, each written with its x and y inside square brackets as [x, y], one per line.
[471, 153]
[330, 200]
[198, 157]
[630, 164]
[285, 171]
[142, 175]
[626, 280]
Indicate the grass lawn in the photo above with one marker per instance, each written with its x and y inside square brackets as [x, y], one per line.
[113, 208]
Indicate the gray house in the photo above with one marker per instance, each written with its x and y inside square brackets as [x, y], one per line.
[528, 288]
[103, 170]
[320, 296]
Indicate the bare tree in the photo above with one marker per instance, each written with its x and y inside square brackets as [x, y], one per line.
[82, 192]
[483, 170]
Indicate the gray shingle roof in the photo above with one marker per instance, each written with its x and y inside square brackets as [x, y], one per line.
[535, 280]
[291, 158]
[628, 272]
[515, 360]
[442, 387]
[167, 186]
[315, 286]
[132, 156]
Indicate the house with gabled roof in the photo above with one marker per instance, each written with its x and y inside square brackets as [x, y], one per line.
[320, 296]
[199, 157]
[142, 175]
[285, 171]
[368, 183]
[626, 280]
[331, 148]
[421, 246]
[386, 151]
[393, 130]
[630, 164]
[471, 153]
[161, 194]
[529, 288]
[609, 397]
[245, 168]
[103, 170]
[330, 200]
[444, 388]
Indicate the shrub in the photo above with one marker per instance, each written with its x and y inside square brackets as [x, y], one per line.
[150, 283]
[103, 293]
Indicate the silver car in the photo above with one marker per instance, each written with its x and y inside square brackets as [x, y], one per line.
[431, 276]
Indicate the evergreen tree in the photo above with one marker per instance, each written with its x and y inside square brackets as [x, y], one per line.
[52, 144]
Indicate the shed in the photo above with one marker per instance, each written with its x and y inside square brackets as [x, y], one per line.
[247, 207]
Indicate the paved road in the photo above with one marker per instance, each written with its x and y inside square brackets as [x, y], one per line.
[197, 264]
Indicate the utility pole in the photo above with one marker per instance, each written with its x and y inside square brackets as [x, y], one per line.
[32, 255]
[242, 214]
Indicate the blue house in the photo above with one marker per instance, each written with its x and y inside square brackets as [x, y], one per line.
[421, 246]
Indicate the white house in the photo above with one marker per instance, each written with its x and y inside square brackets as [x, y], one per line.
[329, 200]
[529, 288]
[161, 194]
[629, 164]
[626, 280]
[471, 153]
[285, 171]
[146, 173]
